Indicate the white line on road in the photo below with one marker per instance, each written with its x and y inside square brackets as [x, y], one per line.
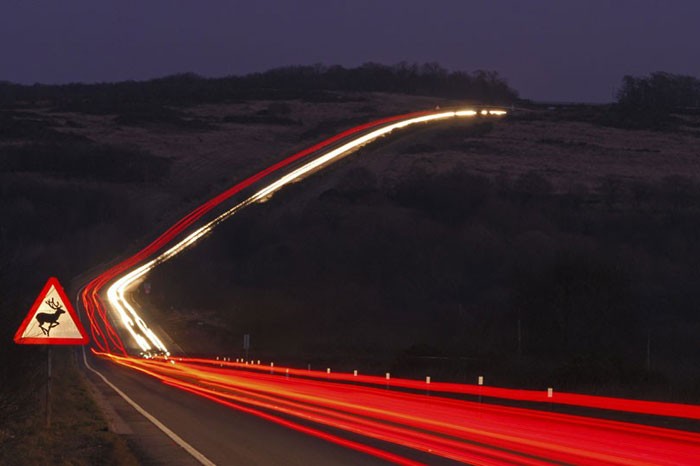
[175, 438]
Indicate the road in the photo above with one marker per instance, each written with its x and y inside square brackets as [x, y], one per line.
[223, 436]
[245, 413]
[373, 413]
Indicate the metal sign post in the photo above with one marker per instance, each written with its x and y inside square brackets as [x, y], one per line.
[48, 390]
[51, 321]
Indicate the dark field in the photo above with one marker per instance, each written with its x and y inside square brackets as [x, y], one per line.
[465, 250]
[547, 249]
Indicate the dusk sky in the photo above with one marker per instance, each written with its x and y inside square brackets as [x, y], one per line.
[553, 50]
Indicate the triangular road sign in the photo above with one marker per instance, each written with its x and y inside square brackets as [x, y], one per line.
[51, 320]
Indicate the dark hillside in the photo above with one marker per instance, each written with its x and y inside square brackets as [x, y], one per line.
[455, 271]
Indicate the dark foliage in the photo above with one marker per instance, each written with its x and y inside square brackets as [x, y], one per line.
[23, 125]
[660, 91]
[159, 115]
[86, 161]
[448, 197]
[649, 102]
[310, 83]
[437, 271]
[259, 120]
[327, 127]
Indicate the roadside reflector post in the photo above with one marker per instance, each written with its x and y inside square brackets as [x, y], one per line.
[427, 379]
[427, 385]
[272, 368]
[550, 395]
[480, 381]
[388, 377]
[308, 367]
[258, 362]
[328, 370]
[286, 373]
[354, 373]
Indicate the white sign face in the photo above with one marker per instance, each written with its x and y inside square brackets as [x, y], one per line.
[52, 320]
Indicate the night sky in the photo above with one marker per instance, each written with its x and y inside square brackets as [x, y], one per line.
[553, 50]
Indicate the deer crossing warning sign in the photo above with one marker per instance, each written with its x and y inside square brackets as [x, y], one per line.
[51, 320]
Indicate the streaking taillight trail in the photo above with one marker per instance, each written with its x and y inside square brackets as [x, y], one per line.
[364, 405]
[461, 430]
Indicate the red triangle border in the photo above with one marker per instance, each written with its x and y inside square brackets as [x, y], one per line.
[83, 340]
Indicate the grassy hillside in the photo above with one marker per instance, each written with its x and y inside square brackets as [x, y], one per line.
[534, 250]
[80, 188]
[422, 254]
[78, 434]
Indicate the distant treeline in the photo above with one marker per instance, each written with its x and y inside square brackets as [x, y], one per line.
[292, 82]
[648, 102]
[660, 91]
[661, 102]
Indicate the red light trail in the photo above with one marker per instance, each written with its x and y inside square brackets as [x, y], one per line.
[466, 431]
[308, 401]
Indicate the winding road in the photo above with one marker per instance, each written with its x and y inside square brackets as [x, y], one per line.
[250, 412]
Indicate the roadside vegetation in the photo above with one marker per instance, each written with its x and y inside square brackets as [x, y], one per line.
[57, 222]
[78, 434]
[440, 269]
[454, 273]
[315, 84]
[76, 166]
[661, 102]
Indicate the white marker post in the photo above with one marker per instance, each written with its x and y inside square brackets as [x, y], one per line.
[480, 381]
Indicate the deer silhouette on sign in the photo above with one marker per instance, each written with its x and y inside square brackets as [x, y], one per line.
[50, 318]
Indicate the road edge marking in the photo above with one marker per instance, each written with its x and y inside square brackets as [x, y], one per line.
[173, 436]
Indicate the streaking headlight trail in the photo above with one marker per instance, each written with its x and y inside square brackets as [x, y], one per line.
[441, 419]
[118, 291]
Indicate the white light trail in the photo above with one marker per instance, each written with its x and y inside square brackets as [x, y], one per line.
[144, 337]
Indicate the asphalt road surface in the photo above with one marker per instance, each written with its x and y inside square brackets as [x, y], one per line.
[223, 436]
